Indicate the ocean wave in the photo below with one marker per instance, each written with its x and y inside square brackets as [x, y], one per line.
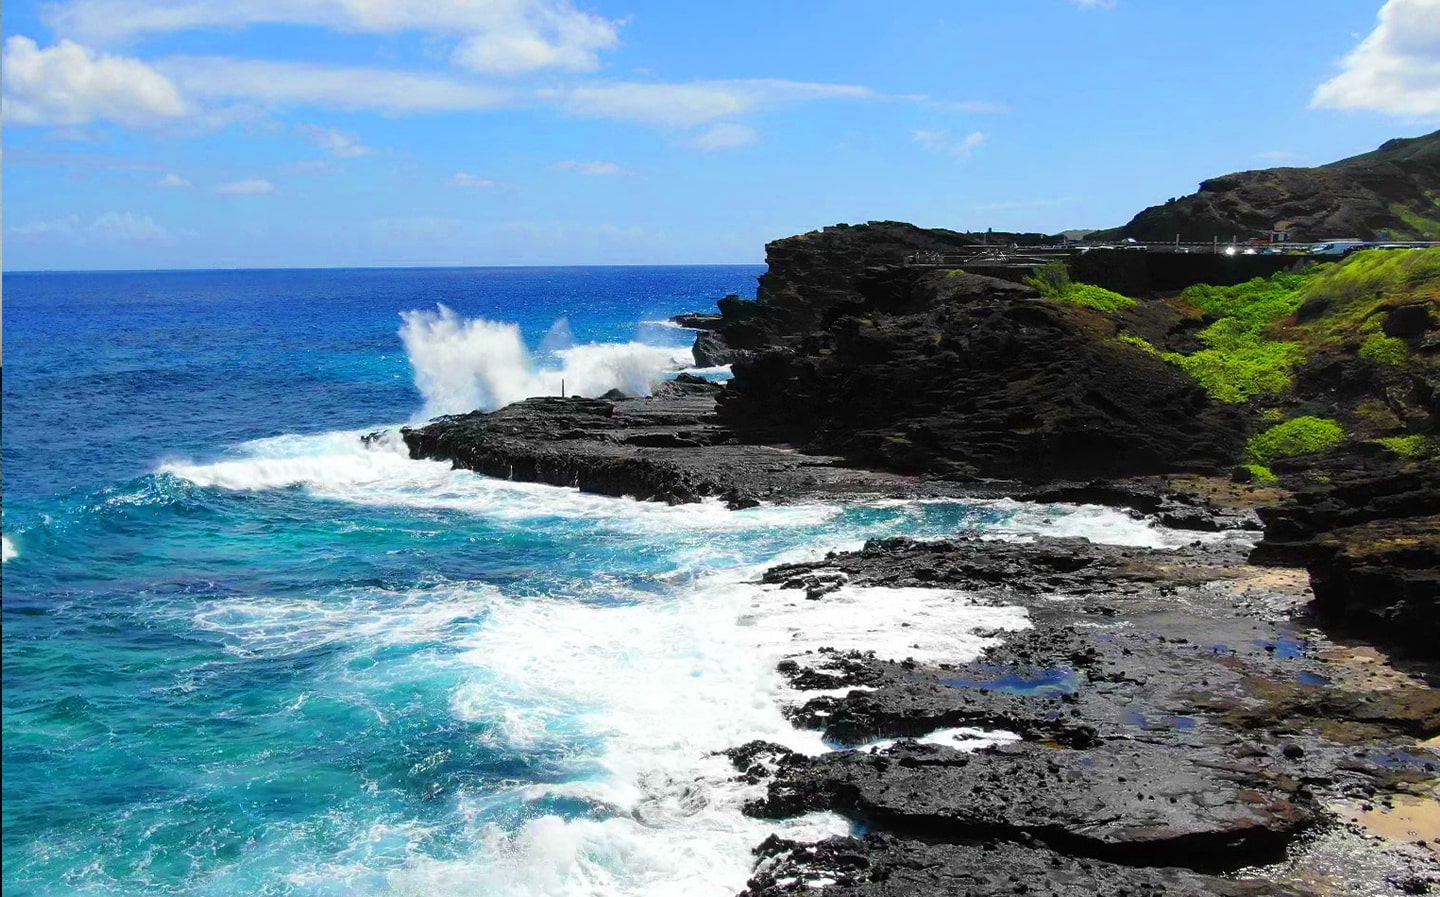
[8, 550]
[338, 465]
[475, 364]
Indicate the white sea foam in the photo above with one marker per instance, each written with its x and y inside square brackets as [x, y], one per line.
[665, 683]
[468, 364]
[338, 465]
[7, 550]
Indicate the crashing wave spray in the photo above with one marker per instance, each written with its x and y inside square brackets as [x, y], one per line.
[465, 364]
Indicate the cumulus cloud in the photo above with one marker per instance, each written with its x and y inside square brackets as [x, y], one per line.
[940, 142]
[495, 37]
[69, 84]
[252, 187]
[110, 227]
[597, 168]
[472, 181]
[723, 136]
[340, 144]
[174, 182]
[1395, 69]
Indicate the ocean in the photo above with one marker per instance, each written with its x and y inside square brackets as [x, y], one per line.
[246, 654]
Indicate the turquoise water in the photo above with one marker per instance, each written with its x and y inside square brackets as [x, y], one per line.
[246, 654]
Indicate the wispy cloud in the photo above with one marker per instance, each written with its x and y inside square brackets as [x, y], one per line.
[722, 137]
[252, 187]
[340, 144]
[1395, 69]
[471, 181]
[69, 84]
[1275, 155]
[1095, 4]
[940, 142]
[693, 103]
[596, 168]
[110, 227]
[174, 182]
[334, 87]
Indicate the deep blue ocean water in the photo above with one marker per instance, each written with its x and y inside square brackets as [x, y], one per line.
[245, 654]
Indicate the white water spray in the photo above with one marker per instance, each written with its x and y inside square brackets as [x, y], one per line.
[465, 364]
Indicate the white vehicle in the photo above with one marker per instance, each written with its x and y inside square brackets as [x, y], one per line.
[1337, 247]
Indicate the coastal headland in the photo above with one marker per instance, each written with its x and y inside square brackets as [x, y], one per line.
[1251, 713]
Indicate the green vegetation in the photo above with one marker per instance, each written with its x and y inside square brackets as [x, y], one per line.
[1298, 436]
[1412, 446]
[1053, 280]
[1256, 303]
[1385, 349]
[1099, 298]
[1419, 225]
[1252, 348]
[1138, 342]
[1262, 474]
[1238, 365]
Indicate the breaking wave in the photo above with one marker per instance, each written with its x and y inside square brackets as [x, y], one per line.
[467, 364]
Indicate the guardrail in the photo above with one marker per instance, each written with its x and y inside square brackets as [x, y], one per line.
[1020, 255]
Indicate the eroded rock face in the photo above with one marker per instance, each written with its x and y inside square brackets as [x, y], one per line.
[966, 376]
[1367, 526]
[1384, 194]
[880, 865]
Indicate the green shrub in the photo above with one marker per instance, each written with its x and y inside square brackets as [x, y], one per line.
[1051, 279]
[1262, 474]
[1385, 349]
[1299, 436]
[1414, 445]
[1238, 365]
[1091, 296]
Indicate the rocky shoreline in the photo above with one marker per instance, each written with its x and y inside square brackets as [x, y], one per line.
[1208, 719]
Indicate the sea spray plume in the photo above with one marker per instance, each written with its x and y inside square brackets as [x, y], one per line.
[462, 365]
[558, 338]
[473, 364]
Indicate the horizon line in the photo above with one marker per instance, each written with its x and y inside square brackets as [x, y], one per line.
[5, 272]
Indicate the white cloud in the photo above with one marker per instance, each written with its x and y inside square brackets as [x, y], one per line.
[111, 227]
[471, 180]
[69, 84]
[340, 144]
[339, 87]
[1095, 4]
[252, 187]
[496, 36]
[694, 103]
[174, 182]
[939, 142]
[598, 169]
[1396, 69]
[723, 136]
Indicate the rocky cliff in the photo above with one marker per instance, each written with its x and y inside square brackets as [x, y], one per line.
[1391, 193]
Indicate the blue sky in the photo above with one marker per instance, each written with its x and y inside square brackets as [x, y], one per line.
[277, 133]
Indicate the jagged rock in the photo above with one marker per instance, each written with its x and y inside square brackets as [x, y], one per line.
[966, 376]
[1385, 194]
[880, 865]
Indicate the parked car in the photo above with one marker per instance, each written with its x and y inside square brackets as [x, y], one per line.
[1337, 247]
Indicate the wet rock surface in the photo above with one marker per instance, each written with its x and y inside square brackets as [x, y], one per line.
[1183, 730]
[1367, 525]
[667, 447]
